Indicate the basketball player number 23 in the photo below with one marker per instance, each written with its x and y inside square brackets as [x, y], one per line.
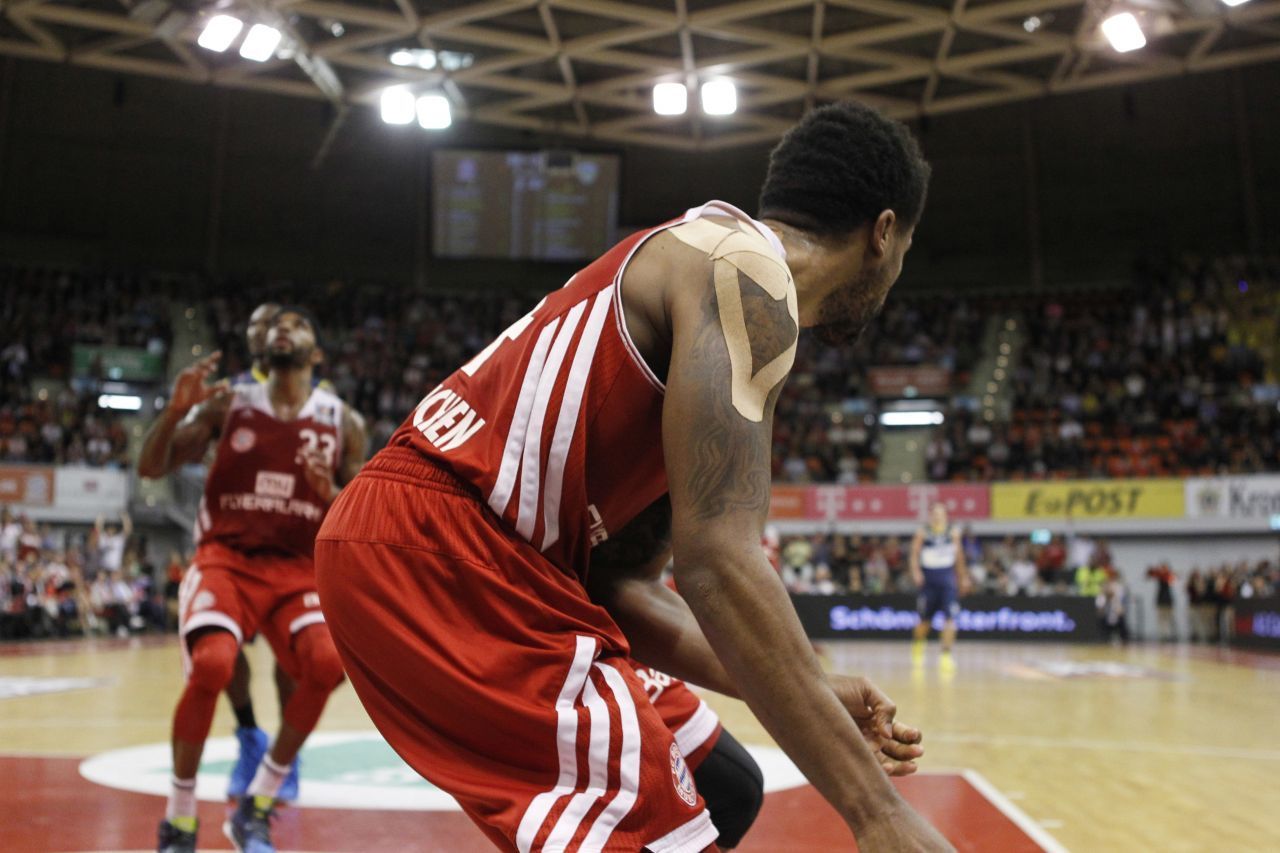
[326, 444]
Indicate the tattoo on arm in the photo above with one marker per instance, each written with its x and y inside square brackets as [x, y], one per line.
[731, 452]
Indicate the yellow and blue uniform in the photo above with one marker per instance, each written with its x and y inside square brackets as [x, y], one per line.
[940, 592]
[253, 374]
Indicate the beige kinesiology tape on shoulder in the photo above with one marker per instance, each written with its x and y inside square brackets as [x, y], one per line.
[743, 249]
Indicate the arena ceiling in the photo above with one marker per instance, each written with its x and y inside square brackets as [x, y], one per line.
[585, 68]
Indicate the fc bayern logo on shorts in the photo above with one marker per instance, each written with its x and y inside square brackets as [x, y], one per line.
[242, 440]
[682, 777]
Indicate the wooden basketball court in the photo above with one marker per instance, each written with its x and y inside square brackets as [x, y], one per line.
[1030, 747]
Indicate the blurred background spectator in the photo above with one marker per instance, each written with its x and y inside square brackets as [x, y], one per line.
[65, 582]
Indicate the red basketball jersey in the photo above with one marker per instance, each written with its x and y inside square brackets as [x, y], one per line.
[256, 498]
[558, 422]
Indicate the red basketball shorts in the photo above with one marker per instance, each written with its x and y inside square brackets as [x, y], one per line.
[244, 594]
[695, 726]
[493, 675]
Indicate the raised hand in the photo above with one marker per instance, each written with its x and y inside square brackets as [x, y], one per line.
[192, 386]
[319, 474]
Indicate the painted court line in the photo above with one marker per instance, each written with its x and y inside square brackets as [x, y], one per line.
[1011, 811]
[1108, 745]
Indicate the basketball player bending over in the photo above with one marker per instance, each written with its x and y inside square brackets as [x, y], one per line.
[457, 572]
[280, 447]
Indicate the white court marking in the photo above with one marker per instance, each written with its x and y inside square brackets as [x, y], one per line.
[1020, 818]
[1105, 745]
[340, 770]
[17, 686]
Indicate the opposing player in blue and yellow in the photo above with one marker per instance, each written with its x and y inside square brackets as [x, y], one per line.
[940, 573]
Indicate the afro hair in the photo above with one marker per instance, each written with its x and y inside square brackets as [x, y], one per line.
[840, 167]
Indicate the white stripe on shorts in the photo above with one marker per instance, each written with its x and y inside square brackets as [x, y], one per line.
[629, 783]
[693, 837]
[597, 767]
[697, 729]
[311, 617]
[566, 745]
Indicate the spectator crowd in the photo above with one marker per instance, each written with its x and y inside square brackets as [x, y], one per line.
[837, 563]
[1175, 376]
[44, 314]
[64, 583]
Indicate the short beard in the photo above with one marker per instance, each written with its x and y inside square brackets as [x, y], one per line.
[847, 311]
[286, 360]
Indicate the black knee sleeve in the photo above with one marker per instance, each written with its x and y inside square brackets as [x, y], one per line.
[732, 786]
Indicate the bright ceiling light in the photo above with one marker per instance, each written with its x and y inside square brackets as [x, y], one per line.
[434, 112]
[422, 58]
[670, 99]
[719, 98]
[1234, 2]
[220, 32]
[261, 43]
[1123, 32]
[398, 106]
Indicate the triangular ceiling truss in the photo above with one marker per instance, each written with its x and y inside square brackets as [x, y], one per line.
[585, 68]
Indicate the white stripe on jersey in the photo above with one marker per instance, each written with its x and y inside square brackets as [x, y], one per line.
[567, 422]
[530, 475]
[501, 494]
[566, 745]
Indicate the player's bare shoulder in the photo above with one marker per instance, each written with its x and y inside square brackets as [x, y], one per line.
[752, 299]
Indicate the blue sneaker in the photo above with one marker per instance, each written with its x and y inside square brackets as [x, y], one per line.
[289, 787]
[253, 745]
[249, 827]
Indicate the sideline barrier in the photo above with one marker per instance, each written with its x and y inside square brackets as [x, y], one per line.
[64, 493]
[1110, 500]
[1257, 623]
[1242, 504]
[1057, 618]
